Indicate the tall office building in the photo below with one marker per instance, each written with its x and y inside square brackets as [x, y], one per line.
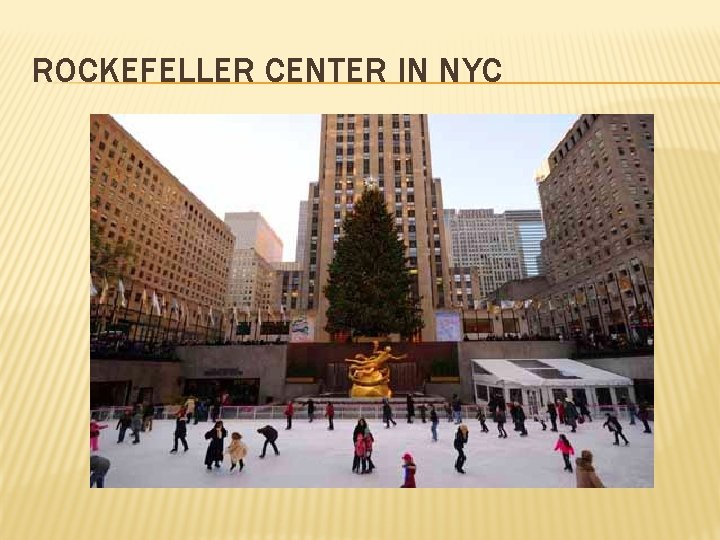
[251, 230]
[392, 151]
[486, 241]
[530, 232]
[287, 289]
[597, 201]
[252, 275]
[302, 233]
[182, 249]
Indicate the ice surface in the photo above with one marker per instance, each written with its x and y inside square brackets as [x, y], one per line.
[313, 456]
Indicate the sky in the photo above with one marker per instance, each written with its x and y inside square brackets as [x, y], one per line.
[264, 163]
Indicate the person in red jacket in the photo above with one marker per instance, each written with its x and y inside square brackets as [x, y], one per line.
[95, 428]
[289, 411]
[330, 413]
[560, 411]
[369, 440]
[409, 468]
[359, 459]
[567, 450]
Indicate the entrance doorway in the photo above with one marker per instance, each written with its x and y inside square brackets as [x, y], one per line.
[533, 402]
[109, 393]
[240, 391]
[604, 399]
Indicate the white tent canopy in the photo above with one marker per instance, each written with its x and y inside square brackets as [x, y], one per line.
[557, 372]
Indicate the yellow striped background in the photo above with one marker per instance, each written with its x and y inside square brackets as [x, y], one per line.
[44, 242]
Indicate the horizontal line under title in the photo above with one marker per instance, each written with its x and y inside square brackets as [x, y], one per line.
[276, 70]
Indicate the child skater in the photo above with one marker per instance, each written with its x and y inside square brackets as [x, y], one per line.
[481, 417]
[237, 451]
[567, 450]
[95, 428]
[359, 459]
[369, 440]
[123, 425]
[409, 469]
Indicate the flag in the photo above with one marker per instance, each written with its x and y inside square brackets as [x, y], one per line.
[259, 322]
[183, 310]
[155, 303]
[234, 314]
[518, 304]
[282, 311]
[476, 304]
[93, 290]
[121, 292]
[104, 292]
[527, 304]
[175, 308]
[496, 310]
[580, 298]
[625, 284]
[570, 300]
[550, 304]
[506, 304]
[210, 315]
[247, 312]
[143, 300]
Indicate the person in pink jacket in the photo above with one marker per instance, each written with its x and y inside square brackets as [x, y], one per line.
[95, 428]
[359, 459]
[567, 450]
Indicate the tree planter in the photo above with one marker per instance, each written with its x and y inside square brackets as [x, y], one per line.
[444, 379]
[300, 380]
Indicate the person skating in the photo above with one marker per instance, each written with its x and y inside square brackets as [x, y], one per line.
[214, 453]
[369, 441]
[387, 413]
[571, 414]
[95, 428]
[520, 415]
[215, 410]
[585, 472]
[433, 422]
[423, 413]
[481, 418]
[563, 444]
[237, 451]
[409, 470]
[552, 413]
[180, 431]
[644, 416]
[514, 415]
[359, 455]
[614, 426]
[500, 420]
[584, 411]
[190, 408]
[148, 415]
[560, 411]
[123, 425]
[461, 439]
[410, 409]
[631, 409]
[330, 413]
[271, 435]
[136, 425]
[448, 412]
[99, 467]
[457, 409]
[360, 428]
[310, 409]
[289, 412]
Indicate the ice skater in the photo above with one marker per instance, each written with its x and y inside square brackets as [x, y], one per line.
[359, 455]
[95, 428]
[560, 411]
[457, 409]
[520, 415]
[644, 416]
[271, 435]
[614, 426]
[136, 425]
[410, 409]
[289, 411]
[99, 467]
[563, 444]
[409, 470]
[500, 420]
[180, 431]
[448, 412]
[310, 409]
[369, 440]
[433, 422]
[237, 451]
[571, 414]
[148, 415]
[423, 413]
[585, 472]
[552, 413]
[387, 413]
[631, 409]
[584, 411]
[190, 408]
[481, 418]
[123, 425]
[330, 413]
[461, 439]
[214, 453]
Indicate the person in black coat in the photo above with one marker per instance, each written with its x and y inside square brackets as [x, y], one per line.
[311, 409]
[520, 419]
[215, 411]
[552, 413]
[214, 453]
[360, 428]
[123, 425]
[461, 439]
[180, 432]
[410, 409]
[644, 416]
[571, 414]
[271, 435]
[614, 426]
[387, 414]
[514, 415]
[500, 419]
[423, 413]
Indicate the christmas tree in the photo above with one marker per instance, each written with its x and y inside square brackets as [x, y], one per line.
[369, 287]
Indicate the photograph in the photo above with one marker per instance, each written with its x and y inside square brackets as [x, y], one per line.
[434, 300]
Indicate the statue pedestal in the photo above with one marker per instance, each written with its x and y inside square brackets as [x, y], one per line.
[376, 391]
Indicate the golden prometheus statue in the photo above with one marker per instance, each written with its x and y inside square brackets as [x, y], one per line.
[369, 375]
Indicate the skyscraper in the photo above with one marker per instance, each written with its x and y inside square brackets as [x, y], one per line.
[251, 230]
[302, 233]
[531, 231]
[391, 151]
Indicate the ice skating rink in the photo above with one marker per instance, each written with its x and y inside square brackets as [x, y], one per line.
[312, 456]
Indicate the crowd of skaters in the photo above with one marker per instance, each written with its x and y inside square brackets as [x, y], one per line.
[567, 412]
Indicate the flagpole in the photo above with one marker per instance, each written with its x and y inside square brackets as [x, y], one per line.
[647, 284]
[622, 306]
[580, 315]
[127, 304]
[477, 325]
[600, 317]
[564, 312]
